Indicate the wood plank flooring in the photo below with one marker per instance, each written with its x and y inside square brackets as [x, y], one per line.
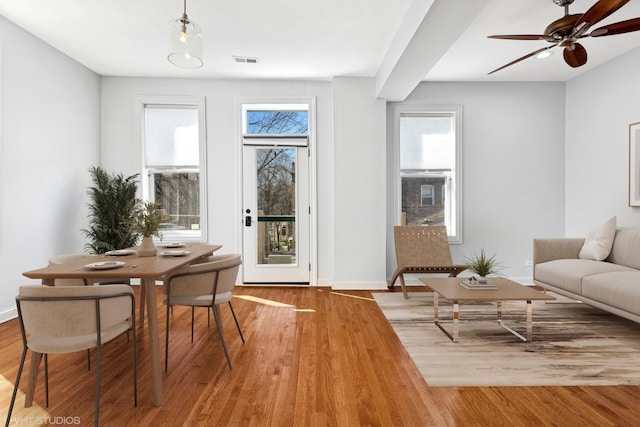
[313, 357]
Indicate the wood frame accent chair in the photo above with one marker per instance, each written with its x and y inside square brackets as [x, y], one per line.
[67, 319]
[422, 250]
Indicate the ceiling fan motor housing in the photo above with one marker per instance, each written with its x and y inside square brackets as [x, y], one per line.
[563, 3]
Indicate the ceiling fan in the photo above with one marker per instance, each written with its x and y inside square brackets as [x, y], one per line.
[566, 31]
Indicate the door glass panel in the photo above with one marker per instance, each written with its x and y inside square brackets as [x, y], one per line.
[276, 191]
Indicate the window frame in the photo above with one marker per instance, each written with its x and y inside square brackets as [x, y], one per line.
[144, 190]
[455, 237]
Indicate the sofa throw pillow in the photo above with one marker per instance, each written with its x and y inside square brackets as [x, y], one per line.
[598, 242]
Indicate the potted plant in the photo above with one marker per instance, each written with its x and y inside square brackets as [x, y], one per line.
[111, 211]
[147, 223]
[483, 265]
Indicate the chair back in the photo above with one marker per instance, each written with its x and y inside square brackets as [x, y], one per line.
[70, 311]
[422, 246]
[65, 258]
[216, 275]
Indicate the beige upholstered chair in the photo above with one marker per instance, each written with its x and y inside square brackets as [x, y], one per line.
[203, 284]
[422, 250]
[66, 319]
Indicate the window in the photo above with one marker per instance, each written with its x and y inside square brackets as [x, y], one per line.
[173, 172]
[426, 195]
[428, 147]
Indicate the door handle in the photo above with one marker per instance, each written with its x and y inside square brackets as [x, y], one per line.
[247, 220]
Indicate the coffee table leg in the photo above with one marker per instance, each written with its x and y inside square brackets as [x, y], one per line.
[453, 336]
[456, 312]
[529, 336]
[435, 307]
[529, 321]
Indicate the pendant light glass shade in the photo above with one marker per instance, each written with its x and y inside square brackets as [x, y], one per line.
[185, 42]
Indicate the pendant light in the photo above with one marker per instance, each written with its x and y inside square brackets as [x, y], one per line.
[185, 42]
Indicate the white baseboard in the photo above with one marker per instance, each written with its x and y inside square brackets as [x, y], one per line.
[8, 313]
[359, 286]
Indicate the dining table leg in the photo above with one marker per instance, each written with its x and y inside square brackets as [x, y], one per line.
[154, 346]
[33, 378]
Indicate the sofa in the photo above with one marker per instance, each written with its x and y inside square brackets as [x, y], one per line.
[611, 284]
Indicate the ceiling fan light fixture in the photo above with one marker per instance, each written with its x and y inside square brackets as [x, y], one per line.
[544, 54]
[185, 42]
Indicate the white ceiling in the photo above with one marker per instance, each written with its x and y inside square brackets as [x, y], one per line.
[319, 39]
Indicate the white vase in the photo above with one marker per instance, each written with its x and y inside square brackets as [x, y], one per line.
[147, 248]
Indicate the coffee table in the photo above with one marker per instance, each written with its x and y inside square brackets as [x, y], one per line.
[507, 290]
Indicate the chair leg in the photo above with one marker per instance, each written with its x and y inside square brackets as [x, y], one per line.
[236, 319]
[15, 388]
[96, 416]
[404, 288]
[216, 315]
[193, 309]
[135, 363]
[166, 341]
[46, 380]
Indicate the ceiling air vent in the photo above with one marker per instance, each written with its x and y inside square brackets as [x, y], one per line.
[245, 60]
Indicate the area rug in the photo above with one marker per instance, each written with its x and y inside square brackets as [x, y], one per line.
[573, 344]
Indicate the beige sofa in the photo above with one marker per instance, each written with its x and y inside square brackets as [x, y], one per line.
[612, 284]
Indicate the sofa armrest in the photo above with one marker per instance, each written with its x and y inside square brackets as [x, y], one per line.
[558, 248]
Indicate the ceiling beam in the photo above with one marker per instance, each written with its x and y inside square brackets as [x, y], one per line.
[428, 31]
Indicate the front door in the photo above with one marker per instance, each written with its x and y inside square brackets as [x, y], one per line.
[276, 217]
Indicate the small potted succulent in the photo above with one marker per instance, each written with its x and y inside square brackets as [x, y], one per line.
[483, 265]
[147, 223]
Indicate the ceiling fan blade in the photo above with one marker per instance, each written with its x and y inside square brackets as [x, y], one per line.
[534, 53]
[522, 37]
[597, 13]
[617, 28]
[575, 56]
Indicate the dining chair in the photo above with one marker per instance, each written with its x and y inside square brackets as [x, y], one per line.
[66, 319]
[207, 283]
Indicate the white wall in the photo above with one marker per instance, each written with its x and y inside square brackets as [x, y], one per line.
[223, 145]
[350, 163]
[513, 167]
[359, 185]
[601, 105]
[50, 130]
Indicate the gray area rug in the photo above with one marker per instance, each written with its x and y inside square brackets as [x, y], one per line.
[573, 344]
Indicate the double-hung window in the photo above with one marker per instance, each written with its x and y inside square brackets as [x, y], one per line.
[428, 149]
[173, 164]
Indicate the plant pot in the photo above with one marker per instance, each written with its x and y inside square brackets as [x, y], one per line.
[147, 248]
[482, 279]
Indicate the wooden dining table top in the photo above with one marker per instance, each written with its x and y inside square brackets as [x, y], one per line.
[147, 267]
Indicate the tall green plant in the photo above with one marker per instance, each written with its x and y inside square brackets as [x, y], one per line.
[111, 211]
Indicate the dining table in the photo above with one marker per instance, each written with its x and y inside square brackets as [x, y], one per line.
[124, 265]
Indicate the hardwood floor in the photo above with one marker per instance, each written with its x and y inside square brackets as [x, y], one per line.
[313, 357]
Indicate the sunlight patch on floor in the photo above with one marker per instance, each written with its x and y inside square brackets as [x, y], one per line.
[263, 301]
[21, 415]
[352, 296]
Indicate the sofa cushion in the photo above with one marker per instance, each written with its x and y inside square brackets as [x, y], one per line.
[598, 242]
[567, 274]
[626, 247]
[620, 289]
